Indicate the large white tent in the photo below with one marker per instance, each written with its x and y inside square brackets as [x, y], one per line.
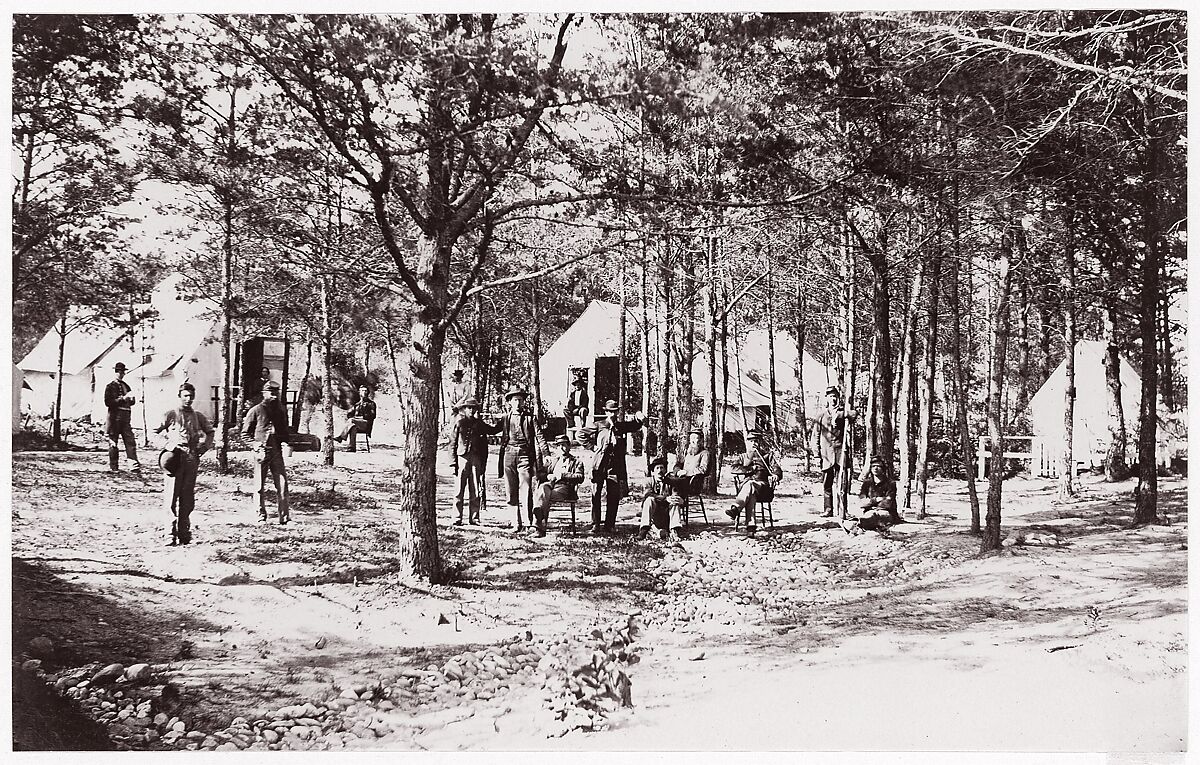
[1091, 421]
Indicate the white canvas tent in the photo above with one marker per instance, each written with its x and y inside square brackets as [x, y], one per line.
[18, 385]
[1091, 436]
[596, 335]
[82, 368]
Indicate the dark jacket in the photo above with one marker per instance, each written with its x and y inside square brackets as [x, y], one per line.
[468, 438]
[567, 471]
[577, 403]
[115, 394]
[365, 410]
[267, 424]
[611, 445]
[872, 490]
[535, 447]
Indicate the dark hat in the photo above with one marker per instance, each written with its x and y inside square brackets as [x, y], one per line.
[467, 401]
[169, 460]
[119, 366]
[878, 461]
[515, 390]
[458, 373]
[754, 433]
[611, 406]
[188, 387]
[580, 382]
[562, 441]
[834, 390]
[658, 461]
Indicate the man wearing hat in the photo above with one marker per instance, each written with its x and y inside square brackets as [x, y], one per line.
[119, 424]
[360, 419]
[658, 509]
[468, 451]
[266, 423]
[520, 447]
[827, 433]
[183, 427]
[693, 464]
[878, 494]
[563, 474]
[762, 472]
[609, 473]
[577, 405]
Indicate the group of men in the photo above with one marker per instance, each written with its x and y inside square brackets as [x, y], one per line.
[187, 434]
[536, 475]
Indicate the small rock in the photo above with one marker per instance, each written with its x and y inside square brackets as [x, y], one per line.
[161, 719]
[227, 747]
[138, 673]
[196, 735]
[179, 727]
[41, 647]
[270, 736]
[32, 665]
[108, 674]
[348, 694]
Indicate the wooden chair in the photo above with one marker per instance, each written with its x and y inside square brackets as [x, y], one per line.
[762, 507]
[685, 510]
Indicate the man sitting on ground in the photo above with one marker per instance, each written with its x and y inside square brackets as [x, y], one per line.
[762, 473]
[563, 474]
[661, 503]
[878, 492]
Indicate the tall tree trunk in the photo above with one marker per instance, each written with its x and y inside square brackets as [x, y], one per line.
[1024, 371]
[710, 347]
[801, 406]
[905, 408]
[666, 326]
[1166, 352]
[873, 414]
[927, 393]
[645, 336]
[1002, 323]
[622, 334]
[685, 350]
[1116, 465]
[850, 277]
[535, 354]
[327, 361]
[391, 349]
[1147, 490]
[962, 378]
[882, 380]
[1045, 361]
[56, 421]
[771, 353]
[1066, 480]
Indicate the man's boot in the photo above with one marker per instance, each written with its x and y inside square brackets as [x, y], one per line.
[828, 513]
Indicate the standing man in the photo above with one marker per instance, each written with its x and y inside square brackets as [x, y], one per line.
[266, 423]
[119, 424]
[182, 450]
[762, 473]
[609, 472]
[828, 432]
[563, 475]
[520, 448]
[468, 446]
[578, 406]
[360, 419]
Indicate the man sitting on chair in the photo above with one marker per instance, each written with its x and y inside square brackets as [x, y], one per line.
[693, 465]
[558, 482]
[762, 473]
[661, 503]
[360, 419]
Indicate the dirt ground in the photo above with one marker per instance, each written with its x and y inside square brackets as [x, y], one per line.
[804, 637]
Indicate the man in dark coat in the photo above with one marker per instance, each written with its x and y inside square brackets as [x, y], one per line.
[827, 434]
[360, 419]
[762, 473]
[266, 424]
[468, 452]
[878, 495]
[559, 482]
[661, 502]
[119, 424]
[184, 427]
[609, 472]
[578, 406]
[521, 447]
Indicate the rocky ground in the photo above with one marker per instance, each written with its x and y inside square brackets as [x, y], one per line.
[302, 637]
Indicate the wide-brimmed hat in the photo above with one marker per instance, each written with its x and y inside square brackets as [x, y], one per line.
[657, 461]
[580, 382]
[562, 440]
[515, 390]
[119, 366]
[467, 401]
[611, 406]
[878, 461]
[834, 390]
[170, 460]
[754, 434]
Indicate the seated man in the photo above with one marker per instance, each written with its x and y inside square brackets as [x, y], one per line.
[360, 419]
[661, 502]
[693, 465]
[762, 473]
[577, 406]
[563, 474]
[878, 492]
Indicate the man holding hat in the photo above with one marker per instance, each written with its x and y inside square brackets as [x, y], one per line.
[878, 494]
[266, 423]
[658, 509]
[827, 434]
[468, 446]
[609, 472]
[577, 405]
[520, 447]
[563, 475]
[119, 424]
[762, 473]
[183, 427]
